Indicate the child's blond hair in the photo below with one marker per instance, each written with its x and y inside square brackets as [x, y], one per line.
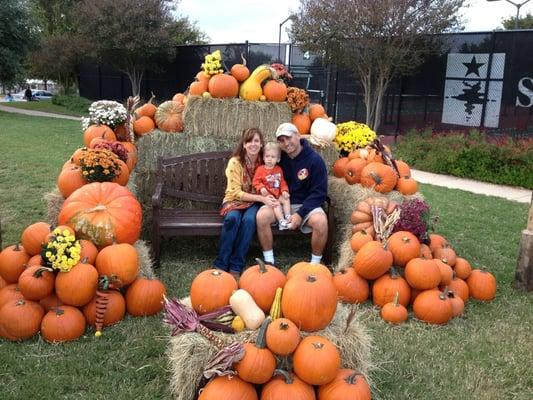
[272, 146]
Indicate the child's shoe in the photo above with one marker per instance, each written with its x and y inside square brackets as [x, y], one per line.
[283, 224]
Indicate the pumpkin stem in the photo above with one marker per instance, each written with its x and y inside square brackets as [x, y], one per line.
[262, 266]
[396, 298]
[151, 98]
[17, 247]
[318, 345]
[394, 273]
[99, 207]
[286, 376]
[283, 326]
[311, 278]
[444, 293]
[243, 59]
[58, 311]
[40, 271]
[260, 342]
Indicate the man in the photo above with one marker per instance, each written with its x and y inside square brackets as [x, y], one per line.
[306, 175]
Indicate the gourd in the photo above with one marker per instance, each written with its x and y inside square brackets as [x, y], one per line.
[245, 307]
[323, 132]
[251, 87]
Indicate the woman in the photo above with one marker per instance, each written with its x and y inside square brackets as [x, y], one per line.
[241, 203]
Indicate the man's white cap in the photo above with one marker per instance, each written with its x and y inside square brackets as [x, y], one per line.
[287, 129]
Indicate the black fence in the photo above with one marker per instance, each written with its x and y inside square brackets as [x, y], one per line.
[482, 80]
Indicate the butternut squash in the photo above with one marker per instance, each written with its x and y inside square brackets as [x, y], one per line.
[251, 88]
[245, 307]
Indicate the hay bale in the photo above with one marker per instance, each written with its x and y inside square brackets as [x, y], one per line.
[146, 264]
[226, 118]
[54, 201]
[346, 198]
[189, 353]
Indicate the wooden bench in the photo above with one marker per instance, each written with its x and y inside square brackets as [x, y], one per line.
[201, 178]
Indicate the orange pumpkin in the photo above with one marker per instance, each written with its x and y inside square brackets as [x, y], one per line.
[394, 312]
[69, 180]
[275, 90]
[436, 241]
[143, 125]
[261, 281]
[372, 260]
[403, 168]
[36, 283]
[62, 324]
[258, 364]
[353, 170]
[124, 175]
[446, 272]
[94, 131]
[33, 237]
[379, 177]
[228, 388]
[462, 268]
[316, 360]
[103, 213]
[347, 384]
[211, 289]
[339, 167]
[422, 274]
[145, 297]
[78, 286]
[20, 319]
[120, 261]
[120, 132]
[406, 186]
[404, 246]
[115, 309]
[198, 88]
[13, 260]
[50, 302]
[316, 111]
[240, 71]
[309, 269]
[282, 336]
[387, 286]
[146, 110]
[178, 98]
[433, 306]
[222, 86]
[481, 285]
[351, 288]
[168, 116]
[446, 254]
[460, 288]
[458, 305]
[425, 252]
[359, 239]
[89, 251]
[287, 386]
[9, 293]
[310, 301]
[302, 122]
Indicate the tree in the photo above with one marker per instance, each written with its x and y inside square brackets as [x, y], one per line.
[523, 22]
[17, 37]
[376, 40]
[132, 35]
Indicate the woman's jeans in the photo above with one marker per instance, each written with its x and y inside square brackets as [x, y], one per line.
[237, 233]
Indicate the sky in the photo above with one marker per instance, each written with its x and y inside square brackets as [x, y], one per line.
[235, 21]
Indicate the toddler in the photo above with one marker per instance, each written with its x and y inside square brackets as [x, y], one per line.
[268, 180]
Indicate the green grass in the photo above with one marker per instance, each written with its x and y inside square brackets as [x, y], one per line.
[484, 355]
[44, 106]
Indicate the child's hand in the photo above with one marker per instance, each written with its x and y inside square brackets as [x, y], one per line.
[264, 192]
[285, 195]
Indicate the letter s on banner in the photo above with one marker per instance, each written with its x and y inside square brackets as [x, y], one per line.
[526, 91]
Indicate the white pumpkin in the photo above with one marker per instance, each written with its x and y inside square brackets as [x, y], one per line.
[322, 132]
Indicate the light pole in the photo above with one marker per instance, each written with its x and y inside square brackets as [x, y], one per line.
[517, 5]
[279, 37]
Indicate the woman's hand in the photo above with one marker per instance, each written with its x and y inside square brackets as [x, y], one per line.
[270, 201]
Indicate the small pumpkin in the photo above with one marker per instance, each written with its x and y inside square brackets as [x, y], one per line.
[462, 268]
[240, 71]
[387, 286]
[282, 336]
[120, 261]
[339, 167]
[287, 386]
[433, 306]
[359, 239]
[422, 274]
[394, 312]
[94, 131]
[380, 177]
[353, 170]
[13, 261]
[145, 297]
[460, 288]
[62, 324]
[406, 186]
[446, 272]
[78, 286]
[115, 309]
[88, 250]
[458, 305]
[302, 122]
[404, 246]
[316, 360]
[347, 384]
[143, 125]
[446, 254]
[258, 364]
[147, 109]
[33, 237]
[316, 111]
[403, 168]
[351, 288]
[9, 293]
[223, 86]
[275, 90]
[211, 289]
[36, 282]
[372, 260]
[481, 285]
[69, 180]
[436, 241]
[20, 319]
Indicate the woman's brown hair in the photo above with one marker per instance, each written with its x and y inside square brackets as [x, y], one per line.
[247, 136]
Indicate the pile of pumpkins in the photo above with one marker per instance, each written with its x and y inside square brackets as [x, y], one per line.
[400, 271]
[303, 300]
[60, 305]
[168, 116]
[367, 167]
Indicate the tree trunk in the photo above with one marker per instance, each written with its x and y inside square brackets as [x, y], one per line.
[524, 269]
[135, 77]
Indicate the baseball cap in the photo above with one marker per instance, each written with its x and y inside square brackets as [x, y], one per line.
[286, 129]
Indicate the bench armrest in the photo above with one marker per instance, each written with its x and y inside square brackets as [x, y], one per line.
[156, 197]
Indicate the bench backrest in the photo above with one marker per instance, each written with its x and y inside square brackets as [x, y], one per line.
[197, 177]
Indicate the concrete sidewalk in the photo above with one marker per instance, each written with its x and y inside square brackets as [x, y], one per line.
[507, 192]
[36, 113]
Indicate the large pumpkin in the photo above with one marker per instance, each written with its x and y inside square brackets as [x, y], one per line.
[120, 261]
[145, 297]
[404, 246]
[63, 324]
[308, 268]
[20, 319]
[78, 286]
[168, 116]
[433, 306]
[351, 288]
[310, 301]
[379, 177]
[261, 281]
[211, 289]
[316, 360]
[223, 86]
[103, 213]
[481, 285]
[372, 260]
